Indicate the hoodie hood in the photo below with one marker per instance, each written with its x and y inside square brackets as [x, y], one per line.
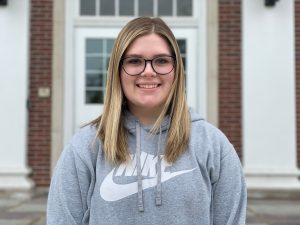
[130, 123]
[195, 116]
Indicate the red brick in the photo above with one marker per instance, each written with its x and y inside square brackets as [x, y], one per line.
[230, 115]
[39, 133]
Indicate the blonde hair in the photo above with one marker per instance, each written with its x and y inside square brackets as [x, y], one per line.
[110, 127]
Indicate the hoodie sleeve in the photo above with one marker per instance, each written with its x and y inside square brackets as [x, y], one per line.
[229, 192]
[67, 199]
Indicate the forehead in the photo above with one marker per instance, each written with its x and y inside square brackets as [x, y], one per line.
[149, 44]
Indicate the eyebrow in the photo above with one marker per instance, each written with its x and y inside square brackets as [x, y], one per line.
[141, 56]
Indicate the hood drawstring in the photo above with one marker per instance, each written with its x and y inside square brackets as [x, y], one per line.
[158, 169]
[158, 197]
[139, 168]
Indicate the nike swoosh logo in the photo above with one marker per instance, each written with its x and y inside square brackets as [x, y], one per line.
[110, 191]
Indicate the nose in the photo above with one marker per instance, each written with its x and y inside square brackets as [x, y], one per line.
[148, 71]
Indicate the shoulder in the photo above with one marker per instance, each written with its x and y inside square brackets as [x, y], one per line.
[84, 136]
[204, 129]
[85, 143]
[212, 148]
[206, 135]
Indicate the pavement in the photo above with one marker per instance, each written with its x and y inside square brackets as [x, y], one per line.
[23, 207]
[29, 208]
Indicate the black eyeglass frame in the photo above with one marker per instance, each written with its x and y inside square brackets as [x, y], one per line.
[151, 63]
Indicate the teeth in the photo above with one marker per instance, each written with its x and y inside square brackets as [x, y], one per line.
[148, 85]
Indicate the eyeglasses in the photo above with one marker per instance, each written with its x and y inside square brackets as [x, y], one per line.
[134, 66]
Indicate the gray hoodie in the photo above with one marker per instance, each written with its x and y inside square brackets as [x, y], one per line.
[204, 186]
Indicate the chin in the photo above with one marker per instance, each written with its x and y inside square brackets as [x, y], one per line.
[150, 105]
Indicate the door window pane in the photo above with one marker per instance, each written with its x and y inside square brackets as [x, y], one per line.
[165, 7]
[126, 7]
[97, 54]
[94, 46]
[109, 45]
[94, 79]
[145, 7]
[184, 8]
[182, 47]
[107, 7]
[94, 63]
[87, 7]
[94, 96]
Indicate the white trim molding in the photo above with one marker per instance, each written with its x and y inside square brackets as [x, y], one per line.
[273, 179]
[212, 62]
[57, 80]
[15, 179]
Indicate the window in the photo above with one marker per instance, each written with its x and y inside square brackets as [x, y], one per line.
[182, 47]
[172, 8]
[97, 54]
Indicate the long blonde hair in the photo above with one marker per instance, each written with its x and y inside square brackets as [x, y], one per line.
[110, 127]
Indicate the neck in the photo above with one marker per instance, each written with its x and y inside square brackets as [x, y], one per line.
[146, 116]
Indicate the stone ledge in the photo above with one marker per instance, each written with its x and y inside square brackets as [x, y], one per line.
[292, 194]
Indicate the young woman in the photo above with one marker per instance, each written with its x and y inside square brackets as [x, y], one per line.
[147, 159]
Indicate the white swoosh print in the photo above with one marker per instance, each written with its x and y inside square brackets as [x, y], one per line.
[110, 191]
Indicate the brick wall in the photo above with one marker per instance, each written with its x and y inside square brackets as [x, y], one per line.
[39, 139]
[297, 42]
[230, 114]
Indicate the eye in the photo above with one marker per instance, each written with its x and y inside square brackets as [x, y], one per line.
[133, 61]
[162, 60]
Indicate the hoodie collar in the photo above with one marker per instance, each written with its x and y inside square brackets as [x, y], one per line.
[130, 123]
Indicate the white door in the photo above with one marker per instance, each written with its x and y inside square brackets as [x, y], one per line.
[92, 52]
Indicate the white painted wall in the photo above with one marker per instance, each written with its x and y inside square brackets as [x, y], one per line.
[268, 78]
[14, 59]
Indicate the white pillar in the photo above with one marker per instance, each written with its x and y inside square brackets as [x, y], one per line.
[14, 64]
[269, 120]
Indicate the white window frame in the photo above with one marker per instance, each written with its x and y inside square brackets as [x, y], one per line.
[136, 6]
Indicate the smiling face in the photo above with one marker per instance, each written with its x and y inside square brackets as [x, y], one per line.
[147, 93]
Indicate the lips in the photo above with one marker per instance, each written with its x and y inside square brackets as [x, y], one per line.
[147, 86]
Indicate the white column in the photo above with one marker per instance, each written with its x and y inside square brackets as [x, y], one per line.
[14, 64]
[269, 120]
